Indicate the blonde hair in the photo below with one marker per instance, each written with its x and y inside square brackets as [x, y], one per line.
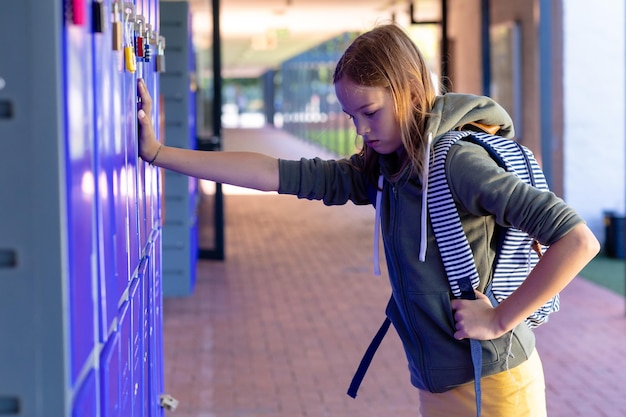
[387, 57]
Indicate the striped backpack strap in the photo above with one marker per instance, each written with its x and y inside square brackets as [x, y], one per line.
[455, 251]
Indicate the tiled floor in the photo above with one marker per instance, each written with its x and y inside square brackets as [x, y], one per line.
[278, 328]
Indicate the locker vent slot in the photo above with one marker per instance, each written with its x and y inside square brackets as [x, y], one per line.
[9, 406]
[6, 109]
[8, 259]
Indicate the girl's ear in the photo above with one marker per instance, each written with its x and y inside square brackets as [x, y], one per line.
[415, 96]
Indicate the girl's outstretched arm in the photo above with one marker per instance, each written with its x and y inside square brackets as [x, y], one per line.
[244, 169]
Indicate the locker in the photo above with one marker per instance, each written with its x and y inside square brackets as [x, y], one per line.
[156, 339]
[142, 209]
[120, 170]
[120, 179]
[137, 342]
[151, 204]
[31, 288]
[134, 247]
[86, 401]
[105, 151]
[180, 192]
[129, 129]
[80, 184]
[110, 377]
[126, 385]
[146, 328]
[67, 291]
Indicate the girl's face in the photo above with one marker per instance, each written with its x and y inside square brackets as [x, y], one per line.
[372, 111]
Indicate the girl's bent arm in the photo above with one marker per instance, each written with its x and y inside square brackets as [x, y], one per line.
[563, 260]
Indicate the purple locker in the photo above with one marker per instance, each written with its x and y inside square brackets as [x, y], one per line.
[146, 313]
[153, 180]
[125, 376]
[80, 192]
[142, 202]
[86, 400]
[106, 197]
[129, 123]
[142, 43]
[151, 79]
[120, 179]
[136, 303]
[156, 336]
[110, 377]
[150, 190]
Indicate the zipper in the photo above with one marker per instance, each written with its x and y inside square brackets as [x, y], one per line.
[404, 307]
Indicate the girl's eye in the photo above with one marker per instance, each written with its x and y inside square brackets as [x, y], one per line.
[370, 114]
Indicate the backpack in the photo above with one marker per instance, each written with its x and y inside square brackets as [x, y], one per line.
[517, 252]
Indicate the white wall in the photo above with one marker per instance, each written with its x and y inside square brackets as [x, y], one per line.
[594, 108]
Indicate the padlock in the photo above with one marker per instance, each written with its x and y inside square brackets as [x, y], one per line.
[160, 63]
[130, 59]
[98, 16]
[140, 40]
[79, 12]
[147, 53]
[116, 28]
[160, 57]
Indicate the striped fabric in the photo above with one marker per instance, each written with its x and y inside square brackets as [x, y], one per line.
[515, 258]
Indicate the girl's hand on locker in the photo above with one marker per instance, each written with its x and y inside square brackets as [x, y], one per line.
[149, 146]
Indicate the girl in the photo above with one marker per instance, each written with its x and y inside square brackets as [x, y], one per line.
[384, 86]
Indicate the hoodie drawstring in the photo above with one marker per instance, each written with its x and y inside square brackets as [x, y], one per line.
[379, 195]
[424, 213]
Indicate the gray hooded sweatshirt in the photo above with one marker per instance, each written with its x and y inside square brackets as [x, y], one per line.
[485, 195]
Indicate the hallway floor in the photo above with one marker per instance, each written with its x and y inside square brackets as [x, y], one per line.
[279, 327]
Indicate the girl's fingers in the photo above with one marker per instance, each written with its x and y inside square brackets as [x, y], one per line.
[146, 100]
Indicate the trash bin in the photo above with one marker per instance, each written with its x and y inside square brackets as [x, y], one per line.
[614, 235]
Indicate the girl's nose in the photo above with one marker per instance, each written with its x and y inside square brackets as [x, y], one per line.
[362, 129]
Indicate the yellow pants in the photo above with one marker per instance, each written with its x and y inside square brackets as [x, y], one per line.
[518, 392]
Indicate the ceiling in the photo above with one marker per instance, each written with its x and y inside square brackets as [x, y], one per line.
[260, 34]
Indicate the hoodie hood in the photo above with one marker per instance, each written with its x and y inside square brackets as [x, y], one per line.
[451, 111]
[454, 111]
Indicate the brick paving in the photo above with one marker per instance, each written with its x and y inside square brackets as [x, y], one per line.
[278, 328]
